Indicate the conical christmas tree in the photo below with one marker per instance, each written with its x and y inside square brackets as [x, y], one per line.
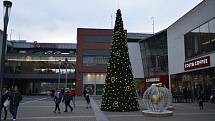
[119, 91]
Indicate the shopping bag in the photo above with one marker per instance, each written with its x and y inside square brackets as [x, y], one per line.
[7, 103]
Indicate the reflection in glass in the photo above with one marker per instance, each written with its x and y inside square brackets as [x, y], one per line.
[201, 40]
[204, 38]
[212, 33]
[154, 54]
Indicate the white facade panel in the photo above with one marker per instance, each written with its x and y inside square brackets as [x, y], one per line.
[199, 15]
[212, 56]
[135, 59]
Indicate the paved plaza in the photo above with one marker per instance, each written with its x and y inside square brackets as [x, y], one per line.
[40, 108]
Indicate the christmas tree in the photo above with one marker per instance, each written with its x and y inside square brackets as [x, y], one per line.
[119, 90]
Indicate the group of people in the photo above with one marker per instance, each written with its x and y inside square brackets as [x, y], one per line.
[182, 95]
[10, 100]
[65, 96]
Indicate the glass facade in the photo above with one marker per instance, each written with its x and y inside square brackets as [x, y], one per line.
[200, 40]
[38, 65]
[154, 54]
[94, 82]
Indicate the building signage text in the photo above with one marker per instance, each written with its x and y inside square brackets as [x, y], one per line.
[197, 63]
[153, 80]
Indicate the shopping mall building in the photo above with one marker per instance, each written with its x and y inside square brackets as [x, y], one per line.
[191, 50]
[37, 68]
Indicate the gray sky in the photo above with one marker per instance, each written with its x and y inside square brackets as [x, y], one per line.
[55, 21]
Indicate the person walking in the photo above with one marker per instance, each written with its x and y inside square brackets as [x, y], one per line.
[66, 100]
[3, 104]
[57, 100]
[201, 101]
[15, 98]
[73, 94]
[87, 98]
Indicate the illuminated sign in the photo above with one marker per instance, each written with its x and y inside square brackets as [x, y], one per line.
[153, 80]
[197, 63]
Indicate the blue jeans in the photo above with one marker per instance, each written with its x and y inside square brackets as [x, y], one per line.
[13, 111]
[73, 100]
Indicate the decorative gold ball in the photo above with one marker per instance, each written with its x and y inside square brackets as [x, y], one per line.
[156, 98]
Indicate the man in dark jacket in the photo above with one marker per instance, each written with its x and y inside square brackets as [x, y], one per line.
[66, 100]
[15, 98]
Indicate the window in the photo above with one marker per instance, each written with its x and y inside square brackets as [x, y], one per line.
[204, 38]
[94, 82]
[95, 60]
[201, 40]
[154, 54]
[212, 33]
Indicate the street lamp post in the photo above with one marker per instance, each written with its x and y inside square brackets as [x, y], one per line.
[66, 64]
[59, 65]
[7, 7]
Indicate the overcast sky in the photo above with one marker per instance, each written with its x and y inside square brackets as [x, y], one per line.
[57, 20]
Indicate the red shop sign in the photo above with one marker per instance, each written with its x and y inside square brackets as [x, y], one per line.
[197, 63]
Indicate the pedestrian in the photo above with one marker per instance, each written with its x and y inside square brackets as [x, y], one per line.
[66, 100]
[87, 98]
[201, 101]
[73, 94]
[185, 94]
[57, 100]
[88, 101]
[4, 103]
[15, 98]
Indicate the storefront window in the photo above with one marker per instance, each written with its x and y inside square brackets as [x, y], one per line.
[187, 87]
[94, 82]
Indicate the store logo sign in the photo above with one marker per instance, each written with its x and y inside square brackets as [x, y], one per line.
[197, 63]
[153, 80]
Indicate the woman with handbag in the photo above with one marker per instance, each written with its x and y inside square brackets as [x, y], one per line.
[5, 103]
[15, 98]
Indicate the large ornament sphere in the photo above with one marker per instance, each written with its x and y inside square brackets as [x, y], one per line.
[157, 98]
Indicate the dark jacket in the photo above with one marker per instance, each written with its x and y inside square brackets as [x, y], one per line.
[66, 97]
[57, 97]
[87, 98]
[15, 98]
[85, 92]
[4, 97]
